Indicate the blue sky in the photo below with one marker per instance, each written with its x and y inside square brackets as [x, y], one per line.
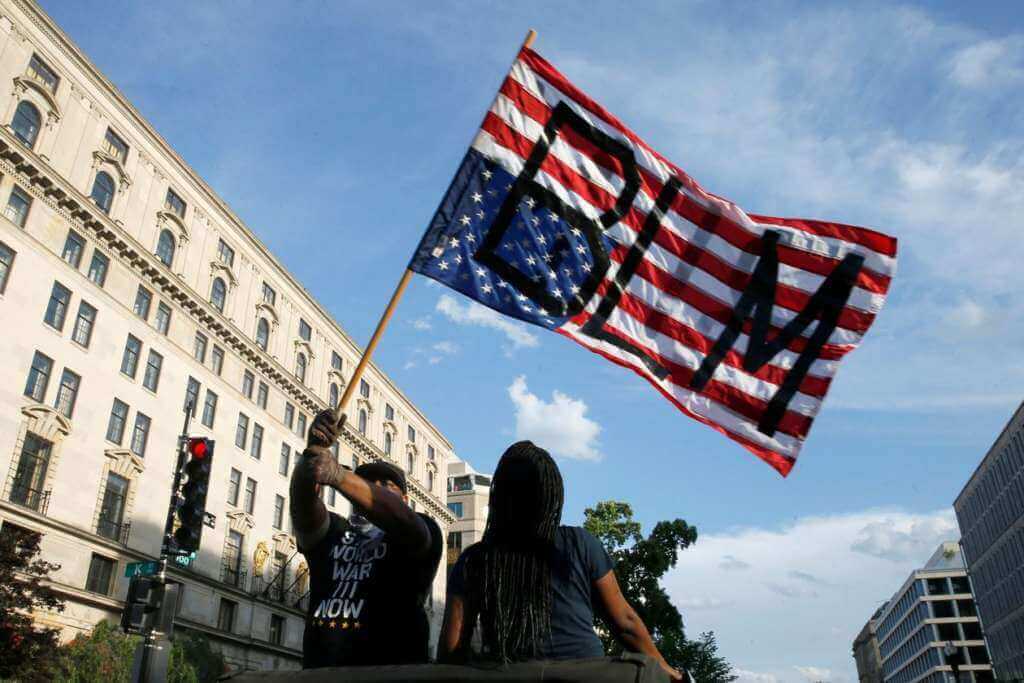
[333, 129]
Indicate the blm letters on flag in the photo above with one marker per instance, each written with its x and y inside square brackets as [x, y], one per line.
[562, 217]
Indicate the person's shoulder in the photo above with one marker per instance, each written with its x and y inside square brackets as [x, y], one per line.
[430, 521]
[576, 534]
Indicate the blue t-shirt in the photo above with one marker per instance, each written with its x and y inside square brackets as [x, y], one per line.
[578, 560]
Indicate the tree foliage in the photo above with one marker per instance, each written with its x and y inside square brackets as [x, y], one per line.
[640, 563]
[26, 650]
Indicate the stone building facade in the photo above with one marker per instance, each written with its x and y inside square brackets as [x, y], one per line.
[127, 289]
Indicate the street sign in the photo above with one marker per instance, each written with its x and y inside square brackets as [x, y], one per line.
[141, 569]
[185, 560]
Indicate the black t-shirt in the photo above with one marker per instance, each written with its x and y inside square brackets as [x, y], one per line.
[577, 561]
[366, 598]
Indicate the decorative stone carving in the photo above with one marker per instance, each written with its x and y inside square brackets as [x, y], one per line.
[303, 346]
[101, 159]
[46, 422]
[284, 543]
[124, 463]
[218, 267]
[259, 557]
[171, 220]
[240, 521]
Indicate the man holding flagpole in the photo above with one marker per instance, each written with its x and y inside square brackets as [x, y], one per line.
[369, 574]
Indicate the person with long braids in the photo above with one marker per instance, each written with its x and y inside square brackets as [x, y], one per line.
[533, 583]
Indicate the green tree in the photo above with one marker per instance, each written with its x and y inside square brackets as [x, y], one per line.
[26, 650]
[640, 563]
[106, 654]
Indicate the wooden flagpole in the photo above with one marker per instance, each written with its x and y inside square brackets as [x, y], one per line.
[386, 316]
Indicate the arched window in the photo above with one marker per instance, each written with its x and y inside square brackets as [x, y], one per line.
[103, 191]
[334, 395]
[410, 463]
[218, 293]
[165, 247]
[430, 480]
[300, 367]
[26, 123]
[263, 333]
[387, 443]
[362, 422]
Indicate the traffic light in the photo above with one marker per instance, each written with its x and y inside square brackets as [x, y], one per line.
[192, 509]
[145, 594]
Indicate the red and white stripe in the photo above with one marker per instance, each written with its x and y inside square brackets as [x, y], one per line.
[694, 273]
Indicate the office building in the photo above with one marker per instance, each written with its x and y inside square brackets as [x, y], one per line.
[865, 650]
[468, 492]
[129, 289]
[932, 609]
[990, 511]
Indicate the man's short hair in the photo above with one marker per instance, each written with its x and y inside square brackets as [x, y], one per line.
[377, 471]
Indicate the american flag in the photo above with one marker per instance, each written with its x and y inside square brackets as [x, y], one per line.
[562, 217]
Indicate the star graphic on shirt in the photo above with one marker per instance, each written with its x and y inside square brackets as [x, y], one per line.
[553, 275]
[548, 258]
[576, 232]
[574, 289]
[453, 242]
[557, 293]
[532, 261]
[502, 283]
[465, 220]
[458, 258]
[531, 202]
[470, 237]
[480, 215]
[535, 221]
[344, 625]
[487, 289]
[586, 267]
[480, 272]
[542, 239]
[477, 197]
[581, 249]
[487, 174]
[443, 265]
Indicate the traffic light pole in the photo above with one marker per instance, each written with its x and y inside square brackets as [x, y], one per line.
[152, 655]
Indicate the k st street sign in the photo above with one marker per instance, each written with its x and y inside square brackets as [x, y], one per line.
[141, 569]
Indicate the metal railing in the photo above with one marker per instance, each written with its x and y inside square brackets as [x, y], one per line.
[115, 531]
[33, 499]
[233, 576]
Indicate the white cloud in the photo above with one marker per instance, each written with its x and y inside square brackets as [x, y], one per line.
[561, 425]
[730, 563]
[475, 314]
[422, 323]
[447, 348]
[807, 582]
[989, 63]
[744, 676]
[815, 673]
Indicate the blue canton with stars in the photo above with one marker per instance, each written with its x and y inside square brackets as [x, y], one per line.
[538, 243]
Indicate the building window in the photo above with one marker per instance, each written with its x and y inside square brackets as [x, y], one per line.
[242, 431]
[300, 368]
[364, 389]
[209, 409]
[289, 415]
[456, 509]
[362, 422]
[389, 412]
[278, 511]
[300, 425]
[163, 318]
[74, 247]
[261, 395]
[82, 332]
[285, 461]
[103, 191]
[333, 395]
[226, 254]
[247, 383]
[143, 299]
[57, 307]
[217, 359]
[174, 204]
[18, 204]
[165, 248]
[234, 483]
[430, 453]
[192, 395]
[250, 494]
[117, 422]
[101, 569]
[335, 361]
[387, 443]
[115, 146]
[410, 462]
[151, 378]
[130, 358]
[38, 377]
[29, 478]
[411, 433]
[98, 268]
[269, 295]
[26, 123]
[276, 629]
[263, 333]
[112, 509]
[256, 447]
[199, 347]
[6, 263]
[226, 613]
[430, 480]
[39, 72]
[454, 544]
[218, 292]
[305, 331]
[140, 435]
[67, 392]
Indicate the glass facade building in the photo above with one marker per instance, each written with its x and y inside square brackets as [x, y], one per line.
[990, 511]
[933, 609]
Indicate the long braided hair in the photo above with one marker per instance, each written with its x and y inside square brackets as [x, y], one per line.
[508, 577]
